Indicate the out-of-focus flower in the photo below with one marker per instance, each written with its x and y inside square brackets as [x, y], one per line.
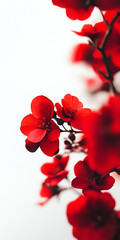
[47, 192]
[93, 216]
[86, 178]
[82, 9]
[103, 137]
[75, 9]
[55, 171]
[59, 163]
[97, 33]
[55, 179]
[39, 127]
[88, 54]
[72, 111]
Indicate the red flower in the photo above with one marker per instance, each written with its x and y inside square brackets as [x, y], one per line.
[59, 163]
[72, 111]
[75, 9]
[55, 171]
[95, 33]
[103, 137]
[47, 192]
[93, 217]
[82, 9]
[86, 178]
[39, 128]
[85, 52]
[55, 179]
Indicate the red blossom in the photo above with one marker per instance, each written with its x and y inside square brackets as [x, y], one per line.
[86, 53]
[103, 137]
[55, 171]
[86, 178]
[75, 9]
[59, 163]
[72, 111]
[47, 192]
[82, 9]
[93, 217]
[55, 179]
[39, 127]
[97, 33]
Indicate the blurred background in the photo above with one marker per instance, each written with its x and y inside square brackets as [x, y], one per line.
[36, 40]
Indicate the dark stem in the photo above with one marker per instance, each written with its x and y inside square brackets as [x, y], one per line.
[105, 20]
[71, 131]
[101, 49]
[109, 30]
[109, 75]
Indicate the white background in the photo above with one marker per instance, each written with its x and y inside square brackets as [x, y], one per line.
[35, 49]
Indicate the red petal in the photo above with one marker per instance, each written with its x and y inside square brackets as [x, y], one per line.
[75, 210]
[48, 147]
[60, 113]
[54, 133]
[42, 107]
[54, 180]
[59, 163]
[82, 52]
[30, 146]
[61, 160]
[71, 102]
[50, 169]
[36, 135]
[80, 14]
[45, 191]
[79, 117]
[74, 9]
[87, 31]
[84, 175]
[44, 202]
[28, 124]
[107, 182]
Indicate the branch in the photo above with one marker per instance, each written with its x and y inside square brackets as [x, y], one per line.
[101, 49]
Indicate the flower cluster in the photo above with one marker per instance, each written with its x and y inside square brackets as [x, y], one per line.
[42, 126]
[96, 134]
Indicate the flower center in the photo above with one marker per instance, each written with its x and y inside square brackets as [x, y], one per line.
[98, 221]
[70, 112]
[42, 124]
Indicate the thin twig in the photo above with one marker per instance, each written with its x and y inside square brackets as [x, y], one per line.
[101, 49]
[70, 131]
